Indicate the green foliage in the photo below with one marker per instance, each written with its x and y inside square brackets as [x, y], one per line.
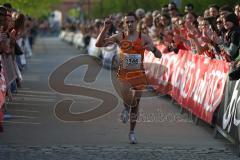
[112, 6]
[201, 5]
[102, 8]
[73, 13]
[33, 8]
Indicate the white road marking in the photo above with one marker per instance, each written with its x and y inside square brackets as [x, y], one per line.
[25, 104]
[18, 110]
[21, 122]
[16, 116]
[33, 99]
[31, 78]
[37, 96]
[36, 92]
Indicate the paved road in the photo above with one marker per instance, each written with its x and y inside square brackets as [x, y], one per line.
[35, 132]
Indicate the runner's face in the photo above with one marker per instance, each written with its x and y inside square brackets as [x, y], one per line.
[130, 23]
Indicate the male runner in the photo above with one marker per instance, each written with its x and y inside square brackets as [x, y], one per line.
[130, 72]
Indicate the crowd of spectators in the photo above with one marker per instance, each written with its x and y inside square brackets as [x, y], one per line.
[17, 36]
[214, 34]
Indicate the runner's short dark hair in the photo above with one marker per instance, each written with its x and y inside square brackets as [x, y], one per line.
[131, 13]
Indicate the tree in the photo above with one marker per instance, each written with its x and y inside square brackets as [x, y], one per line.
[201, 5]
[102, 8]
[32, 7]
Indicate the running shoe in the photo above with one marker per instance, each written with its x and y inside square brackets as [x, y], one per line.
[125, 115]
[132, 138]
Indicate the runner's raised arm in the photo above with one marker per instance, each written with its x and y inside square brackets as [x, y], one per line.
[103, 39]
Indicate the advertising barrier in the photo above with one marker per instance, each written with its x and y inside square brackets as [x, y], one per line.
[194, 81]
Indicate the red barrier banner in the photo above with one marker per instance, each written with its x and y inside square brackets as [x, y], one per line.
[195, 82]
[9, 69]
[159, 71]
[2, 94]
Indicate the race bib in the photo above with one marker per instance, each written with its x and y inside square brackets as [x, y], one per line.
[132, 61]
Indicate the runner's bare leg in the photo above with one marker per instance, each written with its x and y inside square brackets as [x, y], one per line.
[134, 109]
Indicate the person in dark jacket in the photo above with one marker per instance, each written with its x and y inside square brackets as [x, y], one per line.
[232, 36]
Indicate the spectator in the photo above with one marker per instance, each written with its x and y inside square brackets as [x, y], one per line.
[206, 13]
[224, 10]
[237, 11]
[213, 10]
[220, 27]
[148, 20]
[188, 8]
[140, 13]
[172, 10]
[155, 13]
[190, 17]
[232, 36]
[164, 9]
[165, 21]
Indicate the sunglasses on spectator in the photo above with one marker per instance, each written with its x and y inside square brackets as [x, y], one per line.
[219, 22]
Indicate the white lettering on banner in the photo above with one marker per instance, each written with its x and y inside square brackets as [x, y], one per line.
[206, 60]
[176, 82]
[148, 61]
[196, 83]
[199, 94]
[231, 110]
[213, 99]
[162, 69]
[158, 69]
[154, 67]
[166, 72]
[190, 65]
[237, 121]
[177, 74]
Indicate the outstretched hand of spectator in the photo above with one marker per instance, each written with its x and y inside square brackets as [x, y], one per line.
[215, 38]
[206, 39]
[237, 64]
[108, 23]
[177, 38]
[191, 35]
